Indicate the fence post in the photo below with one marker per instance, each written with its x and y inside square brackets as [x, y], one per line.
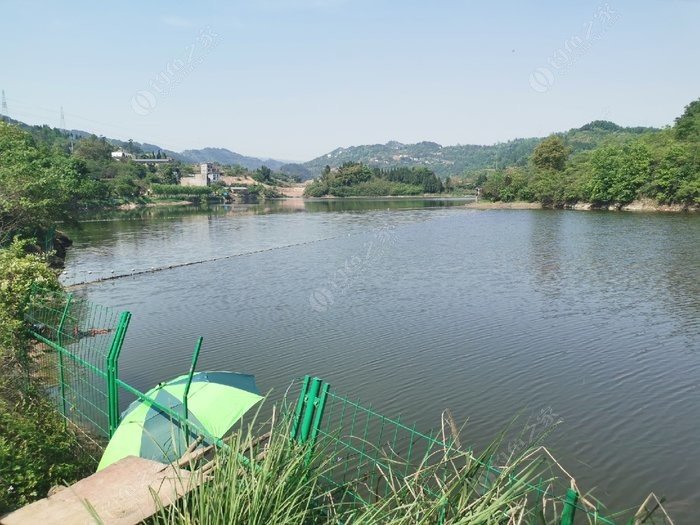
[112, 362]
[186, 394]
[318, 415]
[300, 406]
[59, 337]
[567, 515]
[309, 410]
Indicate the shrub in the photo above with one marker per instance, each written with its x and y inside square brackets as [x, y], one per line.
[19, 270]
[36, 452]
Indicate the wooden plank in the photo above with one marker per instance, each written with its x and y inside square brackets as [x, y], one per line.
[120, 495]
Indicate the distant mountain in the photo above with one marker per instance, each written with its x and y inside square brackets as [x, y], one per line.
[225, 156]
[457, 160]
[297, 170]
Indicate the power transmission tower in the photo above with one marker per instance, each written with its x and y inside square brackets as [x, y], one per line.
[62, 124]
[4, 110]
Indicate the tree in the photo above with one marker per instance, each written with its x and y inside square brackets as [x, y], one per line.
[93, 148]
[449, 186]
[19, 270]
[168, 174]
[263, 175]
[351, 173]
[687, 126]
[551, 154]
[619, 172]
[37, 188]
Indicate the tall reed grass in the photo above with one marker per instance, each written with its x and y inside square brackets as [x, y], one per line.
[279, 481]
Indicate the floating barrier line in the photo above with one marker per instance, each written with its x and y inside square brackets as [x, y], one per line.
[231, 256]
[203, 261]
[214, 259]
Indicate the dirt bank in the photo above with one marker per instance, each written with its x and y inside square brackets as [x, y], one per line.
[518, 205]
[643, 205]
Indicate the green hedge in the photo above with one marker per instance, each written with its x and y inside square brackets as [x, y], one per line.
[176, 189]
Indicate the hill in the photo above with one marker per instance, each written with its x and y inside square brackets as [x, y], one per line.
[54, 137]
[228, 157]
[460, 159]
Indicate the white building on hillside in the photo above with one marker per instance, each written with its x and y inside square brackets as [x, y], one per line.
[120, 154]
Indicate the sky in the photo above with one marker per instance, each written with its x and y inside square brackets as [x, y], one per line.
[295, 79]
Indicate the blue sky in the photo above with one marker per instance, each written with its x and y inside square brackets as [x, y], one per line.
[294, 79]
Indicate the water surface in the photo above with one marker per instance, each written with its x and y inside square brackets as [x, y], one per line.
[424, 305]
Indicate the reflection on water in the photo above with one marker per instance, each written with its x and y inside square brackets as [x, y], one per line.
[254, 207]
[149, 238]
[591, 316]
[546, 250]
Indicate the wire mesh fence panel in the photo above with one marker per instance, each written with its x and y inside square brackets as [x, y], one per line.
[77, 393]
[75, 341]
[367, 456]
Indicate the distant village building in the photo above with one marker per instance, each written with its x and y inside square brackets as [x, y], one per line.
[120, 154]
[207, 175]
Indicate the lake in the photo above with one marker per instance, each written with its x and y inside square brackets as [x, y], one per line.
[421, 305]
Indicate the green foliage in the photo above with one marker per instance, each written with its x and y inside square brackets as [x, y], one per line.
[287, 483]
[260, 190]
[263, 174]
[37, 187]
[318, 188]
[461, 160]
[280, 488]
[19, 270]
[175, 189]
[422, 177]
[168, 173]
[550, 154]
[51, 139]
[687, 126]
[93, 148]
[354, 179]
[506, 185]
[660, 165]
[36, 452]
[618, 173]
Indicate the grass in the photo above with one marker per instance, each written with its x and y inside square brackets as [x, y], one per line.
[282, 482]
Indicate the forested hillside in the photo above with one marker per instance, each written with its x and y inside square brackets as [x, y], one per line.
[451, 161]
[661, 165]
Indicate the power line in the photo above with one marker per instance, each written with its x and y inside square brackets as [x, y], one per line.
[117, 129]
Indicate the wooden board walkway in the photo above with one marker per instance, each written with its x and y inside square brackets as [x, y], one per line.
[121, 494]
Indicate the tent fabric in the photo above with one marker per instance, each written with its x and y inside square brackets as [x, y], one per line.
[215, 402]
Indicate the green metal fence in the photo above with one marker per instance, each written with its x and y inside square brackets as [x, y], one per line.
[77, 360]
[370, 452]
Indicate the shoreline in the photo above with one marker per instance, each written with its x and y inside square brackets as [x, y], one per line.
[645, 205]
[134, 205]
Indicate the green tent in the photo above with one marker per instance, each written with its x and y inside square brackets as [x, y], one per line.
[215, 402]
